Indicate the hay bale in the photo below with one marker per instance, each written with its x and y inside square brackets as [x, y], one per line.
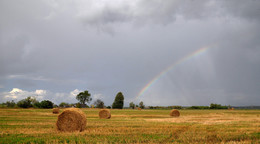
[139, 108]
[71, 119]
[174, 113]
[55, 110]
[231, 108]
[104, 114]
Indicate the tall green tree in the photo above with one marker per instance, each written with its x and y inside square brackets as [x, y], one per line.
[141, 105]
[132, 105]
[119, 101]
[84, 97]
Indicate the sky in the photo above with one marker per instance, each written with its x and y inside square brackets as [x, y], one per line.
[161, 52]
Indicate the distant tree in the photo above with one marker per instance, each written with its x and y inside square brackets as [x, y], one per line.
[141, 105]
[46, 104]
[132, 105]
[217, 106]
[78, 105]
[37, 104]
[174, 107]
[119, 101]
[84, 97]
[199, 107]
[109, 107]
[63, 104]
[26, 103]
[99, 103]
[10, 104]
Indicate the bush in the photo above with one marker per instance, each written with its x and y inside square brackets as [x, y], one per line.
[99, 103]
[37, 104]
[64, 105]
[199, 107]
[217, 106]
[10, 104]
[46, 104]
[78, 105]
[25, 103]
[174, 107]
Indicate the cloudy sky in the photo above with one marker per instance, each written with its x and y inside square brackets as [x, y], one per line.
[54, 49]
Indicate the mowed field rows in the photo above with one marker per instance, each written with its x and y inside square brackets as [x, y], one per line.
[134, 126]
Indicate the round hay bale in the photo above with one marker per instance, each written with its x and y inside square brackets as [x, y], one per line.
[55, 110]
[71, 119]
[104, 114]
[139, 108]
[175, 113]
[231, 108]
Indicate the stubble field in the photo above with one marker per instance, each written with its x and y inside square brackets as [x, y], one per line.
[134, 126]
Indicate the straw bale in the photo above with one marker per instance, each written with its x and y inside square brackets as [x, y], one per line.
[174, 113]
[104, 114]
[71, 119]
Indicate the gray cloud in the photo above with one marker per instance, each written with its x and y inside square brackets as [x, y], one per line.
[62, 46]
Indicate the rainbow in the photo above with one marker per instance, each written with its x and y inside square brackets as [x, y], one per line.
[162, 73]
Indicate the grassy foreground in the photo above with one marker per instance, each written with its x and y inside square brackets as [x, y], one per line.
[134, 126]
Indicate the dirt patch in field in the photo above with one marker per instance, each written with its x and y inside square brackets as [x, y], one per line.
[207, 120]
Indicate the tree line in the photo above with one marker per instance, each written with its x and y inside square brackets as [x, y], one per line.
[85, 97]
[212, 106]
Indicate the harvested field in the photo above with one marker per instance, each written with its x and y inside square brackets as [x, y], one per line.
[133, 126]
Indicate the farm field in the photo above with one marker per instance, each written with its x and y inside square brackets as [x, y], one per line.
[134, 126]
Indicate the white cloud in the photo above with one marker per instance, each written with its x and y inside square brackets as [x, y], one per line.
[28, 77]
[97, 96]
[16, 91]
[74, 93]
[40, 92]
[18, 94]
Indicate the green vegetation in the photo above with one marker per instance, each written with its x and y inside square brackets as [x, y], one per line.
[46, 104]
[133, 126]
[165, 107]
[27, 102]
[119, 101]
[217, 106]
[99, 104]
[10, 104]
[84, 97]
[199, 107]
[141, 105]
[64, 105]
[132, 105]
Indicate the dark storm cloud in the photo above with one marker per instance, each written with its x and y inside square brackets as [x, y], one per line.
[60, 48]
[239, 8]
[107, 15]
